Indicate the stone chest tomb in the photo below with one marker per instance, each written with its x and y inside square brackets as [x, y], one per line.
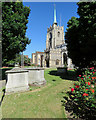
[19, 79]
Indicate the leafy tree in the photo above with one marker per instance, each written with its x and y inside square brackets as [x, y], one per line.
[14, 20]
[26, 61]
[81, 35]
[17, 60]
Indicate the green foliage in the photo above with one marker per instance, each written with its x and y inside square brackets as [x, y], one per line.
[83, 93]
[81, 35]
[14, 20]
[17, 60]
[26, 61]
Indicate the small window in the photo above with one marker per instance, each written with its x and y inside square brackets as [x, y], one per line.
[57, 62]
[50, 35]
[64, 58]
[58, 34]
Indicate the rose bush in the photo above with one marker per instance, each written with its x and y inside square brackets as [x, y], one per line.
[83, 93]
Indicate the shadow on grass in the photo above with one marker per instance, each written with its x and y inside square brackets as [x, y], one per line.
[75, 110]
[2, 96]
[70, 75]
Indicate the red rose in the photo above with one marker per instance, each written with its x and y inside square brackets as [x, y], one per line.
[82, 78]
[85, 75]
[90, 68]
[93, 72]
[85, 94]
[93, 78]
[86, 89]
[72, 89]
[77, 86]
[92, 90]
[89, 77]
[88, 83]
[79, 75]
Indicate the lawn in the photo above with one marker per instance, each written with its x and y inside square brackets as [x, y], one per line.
[41, 102]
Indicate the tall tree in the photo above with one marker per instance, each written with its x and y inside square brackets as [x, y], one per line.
[81, 35]
[14, 20]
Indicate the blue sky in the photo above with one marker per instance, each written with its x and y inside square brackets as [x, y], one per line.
[41, 17]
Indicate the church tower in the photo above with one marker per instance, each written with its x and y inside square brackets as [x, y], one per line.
[55, 34]
[54, 44]
[55, 54]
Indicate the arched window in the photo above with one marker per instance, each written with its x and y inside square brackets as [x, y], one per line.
[57, 62]
[58, 34]
[64, 58]
[50, 35]
[50, 40]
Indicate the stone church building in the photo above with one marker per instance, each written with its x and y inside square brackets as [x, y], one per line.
[55, 54]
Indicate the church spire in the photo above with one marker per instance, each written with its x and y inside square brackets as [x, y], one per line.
[55, 22]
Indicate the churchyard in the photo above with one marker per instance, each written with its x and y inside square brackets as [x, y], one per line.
[34, 92]
[55, 99]
[39, 101]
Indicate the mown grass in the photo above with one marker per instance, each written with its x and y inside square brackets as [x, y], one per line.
[43, 102]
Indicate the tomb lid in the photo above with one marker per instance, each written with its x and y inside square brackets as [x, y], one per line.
[34, 68]
[16, 70]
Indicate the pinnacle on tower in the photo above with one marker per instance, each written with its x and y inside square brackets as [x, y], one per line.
[55, 22]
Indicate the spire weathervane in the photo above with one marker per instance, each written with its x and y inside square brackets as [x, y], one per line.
[55, 14]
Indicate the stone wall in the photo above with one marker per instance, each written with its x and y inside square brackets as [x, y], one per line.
[55, 36]
[55, 57]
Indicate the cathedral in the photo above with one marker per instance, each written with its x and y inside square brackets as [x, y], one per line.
[55, 54]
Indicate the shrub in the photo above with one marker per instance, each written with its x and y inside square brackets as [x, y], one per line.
[83, 93]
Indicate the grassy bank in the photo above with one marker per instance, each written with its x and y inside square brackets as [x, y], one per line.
[42, 102]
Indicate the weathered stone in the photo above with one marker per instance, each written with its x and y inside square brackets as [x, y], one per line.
[36, 76]
[17, 80]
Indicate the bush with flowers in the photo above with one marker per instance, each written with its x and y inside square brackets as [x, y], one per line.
[83, 93]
